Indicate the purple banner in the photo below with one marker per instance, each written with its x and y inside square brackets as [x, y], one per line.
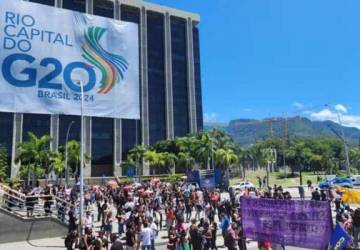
[288, 222]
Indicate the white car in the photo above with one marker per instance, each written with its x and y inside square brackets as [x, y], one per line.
[243, 185]
[355, 180]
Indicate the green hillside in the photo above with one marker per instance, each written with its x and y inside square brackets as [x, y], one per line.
[248, 131]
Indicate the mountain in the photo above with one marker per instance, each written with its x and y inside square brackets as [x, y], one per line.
[248, 131]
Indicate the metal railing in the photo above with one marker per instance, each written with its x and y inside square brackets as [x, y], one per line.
[34, 206]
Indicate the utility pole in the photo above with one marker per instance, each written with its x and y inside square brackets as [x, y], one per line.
[66, 154]
[82, 163]
[270, 128]
[285, 139]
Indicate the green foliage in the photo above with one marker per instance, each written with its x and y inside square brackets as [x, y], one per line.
[35, 156]
[3, 163]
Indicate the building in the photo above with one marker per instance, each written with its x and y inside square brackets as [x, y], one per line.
[170, 89]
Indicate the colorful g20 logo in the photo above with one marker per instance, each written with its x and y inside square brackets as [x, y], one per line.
[47, 82]
[112, 67]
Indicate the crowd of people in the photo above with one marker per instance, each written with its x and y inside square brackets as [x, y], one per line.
[185, 216]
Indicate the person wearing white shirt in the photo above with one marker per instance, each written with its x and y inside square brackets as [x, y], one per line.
[145, 236]
[155, 231]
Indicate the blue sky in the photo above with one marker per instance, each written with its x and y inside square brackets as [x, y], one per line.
[265, 58]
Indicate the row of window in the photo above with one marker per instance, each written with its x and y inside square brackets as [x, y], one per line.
[102, 128]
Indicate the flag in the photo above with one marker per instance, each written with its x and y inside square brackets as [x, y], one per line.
[339, 239]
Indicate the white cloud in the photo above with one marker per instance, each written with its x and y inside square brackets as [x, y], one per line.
[209, 117]
[247, 110]
[341, 108]
[346, 120]
[298, 105]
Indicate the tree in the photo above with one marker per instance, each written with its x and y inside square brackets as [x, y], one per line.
[170, 160]
[205, 149]
[73, 156]
[3, 163]
[354, 156]
[34, 156]
[154, 159]
[225, 158]
[187, 160]
[137, 155]
[57, 164]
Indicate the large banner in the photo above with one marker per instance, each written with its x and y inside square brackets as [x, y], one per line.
[47, 53]
[289, 222]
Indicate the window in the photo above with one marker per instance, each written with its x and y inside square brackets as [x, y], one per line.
[131, 129]
[104, 8]
[156, 77]
[77, 5]
[179, 70]
[74, 132]
[46, 2]
[6, 134]
[198, 94]
[37, 124]
[102, 146]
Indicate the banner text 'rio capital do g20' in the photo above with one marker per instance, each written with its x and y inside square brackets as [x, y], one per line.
[47, 52]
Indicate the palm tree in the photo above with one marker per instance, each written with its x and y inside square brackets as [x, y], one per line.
[57, 164]
[225, 158]
[73, 156]
[137, 155]
[187, 160]
[154, 158]
[205, 149]
[34, 156]
[170, 160]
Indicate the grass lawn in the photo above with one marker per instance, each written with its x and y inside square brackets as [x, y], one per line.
[274, 178]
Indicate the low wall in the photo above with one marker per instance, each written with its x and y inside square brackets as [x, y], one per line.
[14, 228]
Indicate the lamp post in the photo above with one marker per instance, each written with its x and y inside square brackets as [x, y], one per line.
[81, 161]
[346, 150]
[66, 153]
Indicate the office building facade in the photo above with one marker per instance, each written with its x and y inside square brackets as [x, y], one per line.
[170, 89]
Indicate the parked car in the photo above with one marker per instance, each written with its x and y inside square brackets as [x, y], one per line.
[355, 180]
[338, 181]
[243, 185]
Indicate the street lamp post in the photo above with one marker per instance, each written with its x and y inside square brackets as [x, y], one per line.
[346, 150]
[81, 161]
[66, 154]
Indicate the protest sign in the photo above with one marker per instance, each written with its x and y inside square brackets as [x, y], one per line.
[289, 222]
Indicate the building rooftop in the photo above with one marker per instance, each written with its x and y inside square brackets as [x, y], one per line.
[161, 8]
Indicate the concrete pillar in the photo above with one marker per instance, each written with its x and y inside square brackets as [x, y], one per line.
[17, 138]
[191, 75]
[89, 7]
[168, 79]
[144, 83]
[88, 146]
[117, 147]
[117, 122]
[54, 132]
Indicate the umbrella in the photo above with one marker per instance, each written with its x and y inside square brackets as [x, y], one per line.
[112, 184]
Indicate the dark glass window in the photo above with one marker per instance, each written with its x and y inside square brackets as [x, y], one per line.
[156, 77]
[74, 132]
[77, 5]
[104, 8]
[36, 123]
[130, 130]
[179, 70]
[102, 147]
[198, 94]
[130, 14]
[46, 2]
[6, 134]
